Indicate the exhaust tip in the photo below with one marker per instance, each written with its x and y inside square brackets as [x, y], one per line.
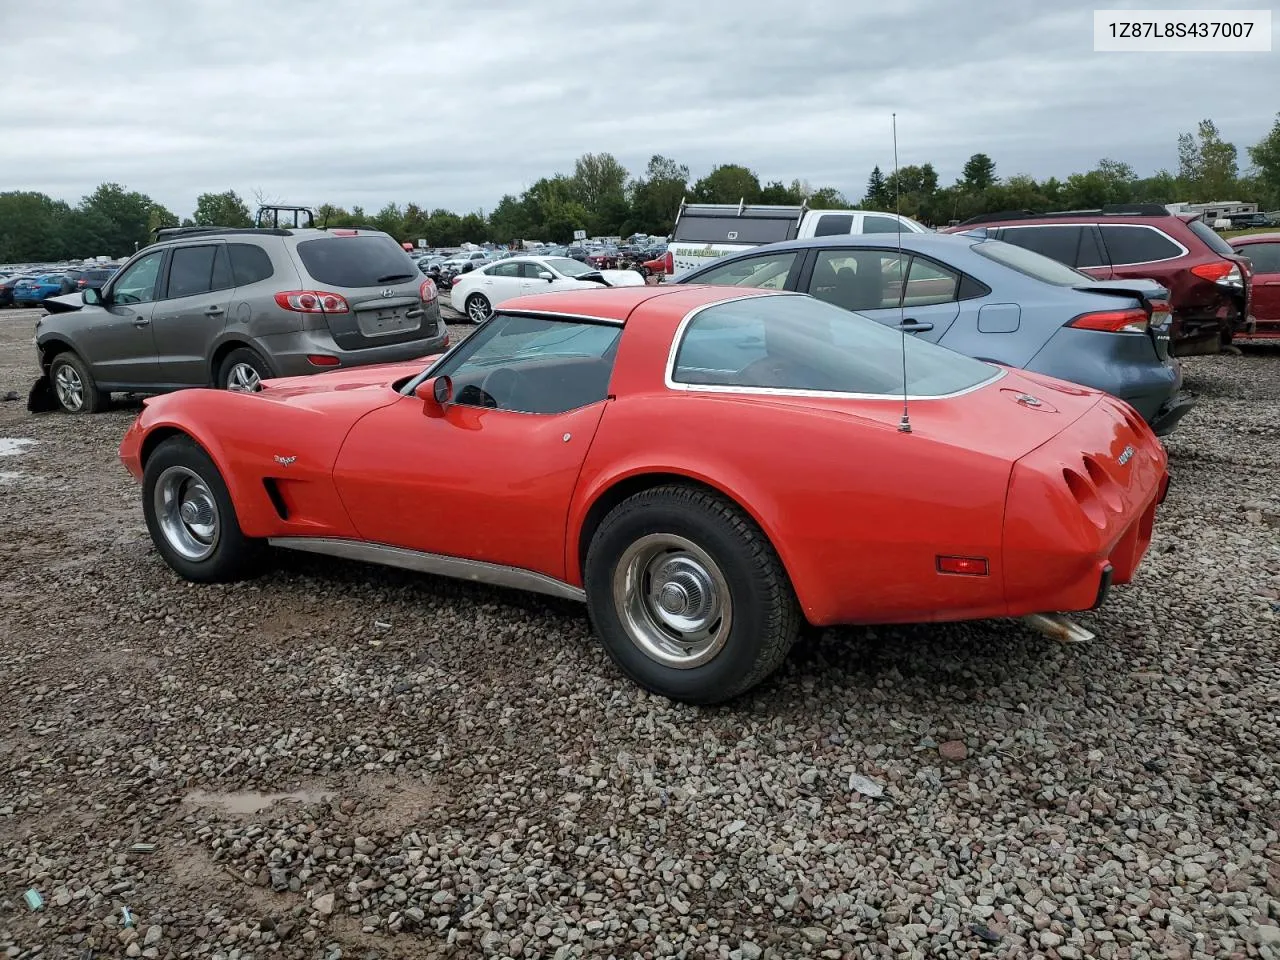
[1055, 626]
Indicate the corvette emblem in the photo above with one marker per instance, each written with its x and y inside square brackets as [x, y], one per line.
[285, 461]
[1028, 399]
[1125, 455]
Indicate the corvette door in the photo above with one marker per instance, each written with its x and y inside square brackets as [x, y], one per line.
[492, 477]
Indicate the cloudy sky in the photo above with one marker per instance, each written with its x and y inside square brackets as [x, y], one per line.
[455, 104]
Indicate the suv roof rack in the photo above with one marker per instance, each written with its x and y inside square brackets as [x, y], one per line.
[168, 233]
[1108, 210]
[274, 211]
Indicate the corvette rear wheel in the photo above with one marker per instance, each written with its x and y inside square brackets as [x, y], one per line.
[478, 308]
[688, 595]
[191, 518]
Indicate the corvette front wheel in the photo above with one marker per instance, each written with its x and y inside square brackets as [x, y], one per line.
[688, 595]
[191, 518]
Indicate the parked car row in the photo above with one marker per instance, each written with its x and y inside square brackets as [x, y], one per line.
[30, 286]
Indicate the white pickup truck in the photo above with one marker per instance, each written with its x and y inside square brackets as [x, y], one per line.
[707, 231]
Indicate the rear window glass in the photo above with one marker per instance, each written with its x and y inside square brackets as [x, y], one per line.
[802, 344]
[1264, 256]
[746, 230]
[1030, 263]
[249, 264]
[1134, 243]
[1211, 238]
[356, 261]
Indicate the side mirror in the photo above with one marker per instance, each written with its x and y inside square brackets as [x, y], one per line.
[546, 275]
[434, 394]
[91, 297]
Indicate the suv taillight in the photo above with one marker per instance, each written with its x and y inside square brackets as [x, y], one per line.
[312, 301]
[1222, 272]
[427, 292]
[1113, 321]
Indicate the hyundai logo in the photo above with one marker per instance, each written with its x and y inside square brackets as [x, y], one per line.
[388, 292]
[1125, 455]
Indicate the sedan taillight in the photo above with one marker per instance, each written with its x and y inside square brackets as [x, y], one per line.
[1113, 321]
[312, 301]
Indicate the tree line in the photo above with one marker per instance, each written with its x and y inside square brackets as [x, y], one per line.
[603, 198]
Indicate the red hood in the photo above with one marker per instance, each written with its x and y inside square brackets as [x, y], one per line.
[316, 386]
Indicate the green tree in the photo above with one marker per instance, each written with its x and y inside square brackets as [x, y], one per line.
[828, 198]
[509, 221]
[474, 227]
[1265, 156]
[390, 219]
[221, 210]
[121, 216]
[874, 199]
[598, 178]
[979, 172]
[1208, 165]
[655, 198]
[159, 218]
[728, 183]
[32, 227]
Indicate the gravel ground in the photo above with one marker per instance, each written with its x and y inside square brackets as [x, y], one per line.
[339, 760]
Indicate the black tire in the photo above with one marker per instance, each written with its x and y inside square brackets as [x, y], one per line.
[478, 303]
[236, 361]
[69, 377]
[232, 556]
[764, 615]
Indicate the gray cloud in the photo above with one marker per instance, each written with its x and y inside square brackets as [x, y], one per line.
[455, 105]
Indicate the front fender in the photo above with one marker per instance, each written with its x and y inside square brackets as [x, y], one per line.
[257, 444]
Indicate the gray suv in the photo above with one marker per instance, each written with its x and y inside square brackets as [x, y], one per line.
[224, 307]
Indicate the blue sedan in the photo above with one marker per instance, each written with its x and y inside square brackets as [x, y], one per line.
[27, 293]
[989, 300]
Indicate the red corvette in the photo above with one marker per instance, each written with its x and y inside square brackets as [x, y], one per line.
[708, 469]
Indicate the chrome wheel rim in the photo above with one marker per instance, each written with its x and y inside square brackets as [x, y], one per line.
[478, 309]
[673, 600]
[187, 513]
[69, 388]
[243, 378]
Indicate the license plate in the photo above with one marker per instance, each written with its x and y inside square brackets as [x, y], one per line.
[375, 322]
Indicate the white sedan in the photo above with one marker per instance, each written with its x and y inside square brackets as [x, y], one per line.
[475, 294]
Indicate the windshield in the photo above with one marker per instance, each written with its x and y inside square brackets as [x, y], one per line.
[568, 267]
[1031, 264]
[791, 342]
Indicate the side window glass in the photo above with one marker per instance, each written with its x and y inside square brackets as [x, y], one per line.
[530, 271]
[138, 283]
[1265, 256]
[532, 365]
[928, 283]
[834, 225]
[1090, 253]
[856, 279]
[190, 271]
[504, 270]
[874, 224]
[717, 348]
[1127, 244]
[1058, 242]
[249, 263]
[222, 279]
[767, 272]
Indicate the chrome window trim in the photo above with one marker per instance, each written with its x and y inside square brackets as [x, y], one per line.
[681, 330]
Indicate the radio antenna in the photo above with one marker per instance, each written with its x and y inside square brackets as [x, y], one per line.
[904, 425]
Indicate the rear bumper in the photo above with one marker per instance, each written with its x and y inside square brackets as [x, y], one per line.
[288, 352]
[1170, 413]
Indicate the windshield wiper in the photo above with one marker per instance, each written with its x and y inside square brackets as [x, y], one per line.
[394, 276]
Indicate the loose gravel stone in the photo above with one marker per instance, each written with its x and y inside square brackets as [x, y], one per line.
[476, 779]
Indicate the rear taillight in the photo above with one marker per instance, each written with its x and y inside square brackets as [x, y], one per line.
[1113, 321]
[312, 301]
[82, 283]
[1159, 312]
[427, 292]
[669, 262]
[1222, 272]
[322, 360]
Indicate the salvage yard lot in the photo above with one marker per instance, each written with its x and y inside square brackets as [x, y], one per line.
[469, 776]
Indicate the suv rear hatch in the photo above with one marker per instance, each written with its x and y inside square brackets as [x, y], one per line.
[380, 284]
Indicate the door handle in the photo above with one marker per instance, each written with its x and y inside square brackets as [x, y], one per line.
[213, 311]
[141, 321]
[915, 326]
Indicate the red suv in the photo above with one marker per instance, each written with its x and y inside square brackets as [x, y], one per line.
[1208, 281]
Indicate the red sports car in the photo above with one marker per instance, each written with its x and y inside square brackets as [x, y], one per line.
[709, 469]
[1263, 249]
